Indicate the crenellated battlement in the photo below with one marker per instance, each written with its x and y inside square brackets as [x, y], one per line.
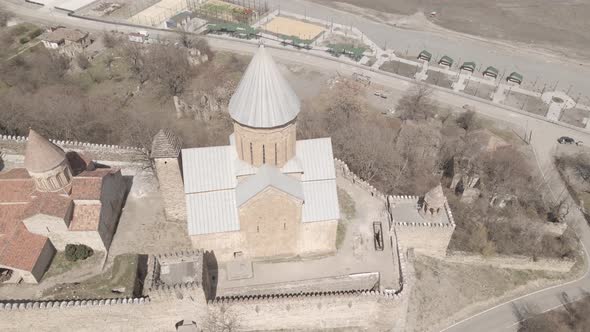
[343, 170]
[74, 144]
[65, 304]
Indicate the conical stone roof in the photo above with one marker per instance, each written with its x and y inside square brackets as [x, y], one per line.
[165, 145]
[41, 155]
[435, 197]
[263, 98]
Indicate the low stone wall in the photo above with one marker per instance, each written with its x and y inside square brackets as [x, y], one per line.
[512, 262]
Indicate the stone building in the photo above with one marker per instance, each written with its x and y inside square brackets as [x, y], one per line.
[58, 198]
[425, 224]
[66, 41]
[265, 194]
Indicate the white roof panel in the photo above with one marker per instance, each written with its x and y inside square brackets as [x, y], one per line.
[263, 98]
[208, 169]
[267, 176]
[212, 212]
[316, 159]
[321, 201]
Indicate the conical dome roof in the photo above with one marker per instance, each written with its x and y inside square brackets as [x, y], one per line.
[41, 155]
[435, 197]
[263, 99]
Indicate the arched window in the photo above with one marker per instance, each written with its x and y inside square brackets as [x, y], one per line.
[276, 159]
[242, 149]
[263, 154]
[251, 154]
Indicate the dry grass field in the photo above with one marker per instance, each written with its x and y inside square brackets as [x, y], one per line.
[547, 23]
[292, 27]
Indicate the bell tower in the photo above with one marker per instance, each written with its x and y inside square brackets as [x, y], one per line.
[264, 109]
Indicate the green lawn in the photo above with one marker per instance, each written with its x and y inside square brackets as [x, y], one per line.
[60, 265]
[122, 274]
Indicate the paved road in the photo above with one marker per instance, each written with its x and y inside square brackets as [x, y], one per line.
[500, 318]
[504, 56]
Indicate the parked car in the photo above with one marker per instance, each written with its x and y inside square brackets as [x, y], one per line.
[566, 140]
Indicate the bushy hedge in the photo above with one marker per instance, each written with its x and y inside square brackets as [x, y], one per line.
[75, 252]
[35, 33]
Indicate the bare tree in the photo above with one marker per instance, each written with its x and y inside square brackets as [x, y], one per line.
[5, 15]
[416, 104]
[466, 120]
[222, 320]
[136, 58]
[110, 40]
[82, 61]
[169, 67]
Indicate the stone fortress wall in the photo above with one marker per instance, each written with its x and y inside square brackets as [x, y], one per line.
[336, 309]
[16, 145]
[427, 238]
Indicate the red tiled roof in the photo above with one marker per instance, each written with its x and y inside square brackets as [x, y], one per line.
[52, 204]
[88, 184]
[18, 248]
[15, 173]
[10, 216]
[86, 217]
[16, 186]
[21, 249]
[18, 199]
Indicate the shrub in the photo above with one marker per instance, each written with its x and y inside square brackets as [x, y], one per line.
[35, 33]
[23, 40]
[75, 252]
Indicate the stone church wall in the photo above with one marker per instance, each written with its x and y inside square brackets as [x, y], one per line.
[318, 237]
[264, 142]
[171, 187]
[222, 245]
[270, 231]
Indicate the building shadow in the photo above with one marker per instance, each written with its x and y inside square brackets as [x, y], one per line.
[142, 271]
[210, 274]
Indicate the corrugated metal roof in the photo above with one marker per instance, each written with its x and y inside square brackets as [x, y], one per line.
[265, 177]
[212, 212]
[316, 158]
[263, 98]
[292, 166]
[321, 201]
[210, 177]
[207, 169]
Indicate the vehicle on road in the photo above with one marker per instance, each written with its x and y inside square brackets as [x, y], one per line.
[566, 140]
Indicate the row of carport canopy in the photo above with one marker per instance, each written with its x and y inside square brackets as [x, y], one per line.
[470, 67]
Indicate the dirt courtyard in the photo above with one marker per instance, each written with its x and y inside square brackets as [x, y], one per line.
[526, 21]
[292, 27]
